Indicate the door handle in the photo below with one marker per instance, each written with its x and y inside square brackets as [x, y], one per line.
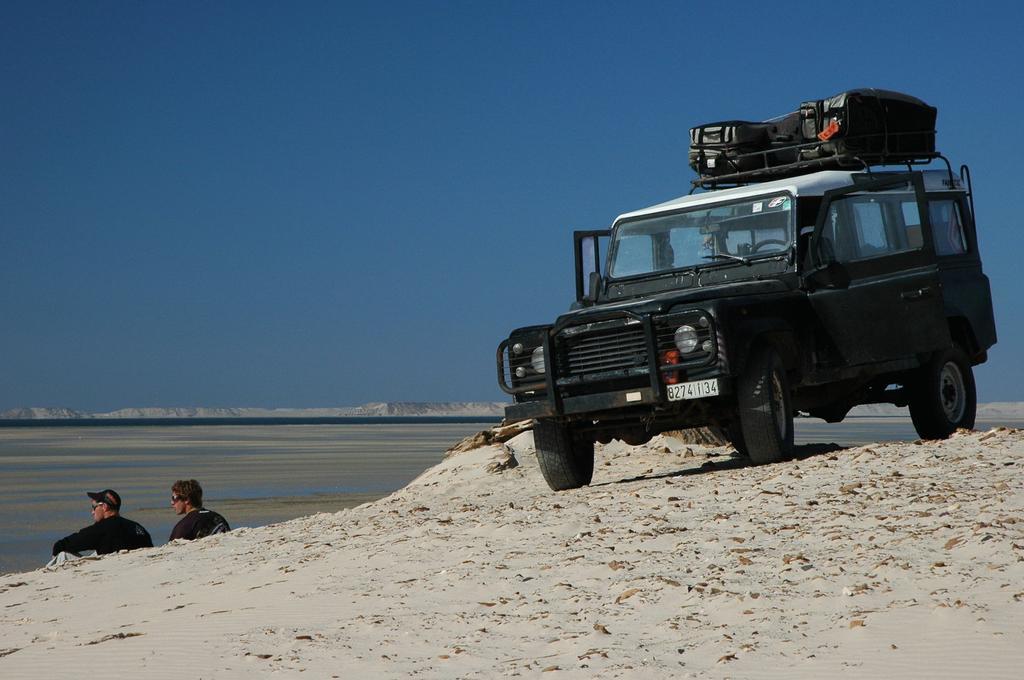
[918, 294]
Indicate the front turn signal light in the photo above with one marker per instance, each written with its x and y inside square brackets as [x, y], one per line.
[670, 357]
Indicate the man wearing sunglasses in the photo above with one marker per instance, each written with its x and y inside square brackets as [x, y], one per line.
[198, 522]
[109, 532]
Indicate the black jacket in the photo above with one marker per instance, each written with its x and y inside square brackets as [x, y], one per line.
[106, 536]
[199, 524]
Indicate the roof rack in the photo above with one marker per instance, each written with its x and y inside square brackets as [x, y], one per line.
[810, 157]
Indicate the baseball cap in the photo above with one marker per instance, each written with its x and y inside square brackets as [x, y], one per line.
[108, 496]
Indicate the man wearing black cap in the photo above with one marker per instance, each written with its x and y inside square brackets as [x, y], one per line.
[109, 532]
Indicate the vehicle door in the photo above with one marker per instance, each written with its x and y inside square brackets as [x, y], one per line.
[879, 296]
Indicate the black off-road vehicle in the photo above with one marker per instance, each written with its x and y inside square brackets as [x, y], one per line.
[740, 307]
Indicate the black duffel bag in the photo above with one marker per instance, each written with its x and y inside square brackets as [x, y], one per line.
[739, 145]
[868, 123]
[727, 147]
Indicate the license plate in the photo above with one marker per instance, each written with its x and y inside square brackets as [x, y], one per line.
[695, 389]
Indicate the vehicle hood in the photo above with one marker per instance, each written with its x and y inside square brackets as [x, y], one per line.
[662, 302]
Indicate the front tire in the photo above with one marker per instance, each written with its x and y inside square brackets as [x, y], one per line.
[943, 396]
[766, 416]
[566, 459]
[734, 433]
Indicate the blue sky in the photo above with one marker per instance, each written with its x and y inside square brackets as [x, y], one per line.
[328, 203]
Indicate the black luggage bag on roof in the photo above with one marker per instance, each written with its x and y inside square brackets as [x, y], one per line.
[868, 123]
[738, 145]
[727, 147]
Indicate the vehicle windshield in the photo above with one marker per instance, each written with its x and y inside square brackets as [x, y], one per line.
[738, 231]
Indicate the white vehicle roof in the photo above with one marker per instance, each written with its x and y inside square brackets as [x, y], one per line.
[813, 184]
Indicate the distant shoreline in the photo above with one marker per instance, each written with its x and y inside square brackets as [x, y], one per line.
[296, 420]
[375, 409]
[241, 420]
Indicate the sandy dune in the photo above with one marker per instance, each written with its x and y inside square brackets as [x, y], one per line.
[889, 560]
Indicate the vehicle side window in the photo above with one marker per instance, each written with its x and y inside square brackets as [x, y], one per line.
[947, 227]
[869, 224]
[912, 220]
[864, 226]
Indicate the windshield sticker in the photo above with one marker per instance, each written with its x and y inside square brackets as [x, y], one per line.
[758, 206]
[777, 201]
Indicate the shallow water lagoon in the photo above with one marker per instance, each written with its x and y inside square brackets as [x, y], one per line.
[253, 475]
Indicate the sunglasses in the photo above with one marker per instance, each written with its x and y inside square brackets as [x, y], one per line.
[175, 499]
[96, 505]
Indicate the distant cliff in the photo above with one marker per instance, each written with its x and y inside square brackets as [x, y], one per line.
[993, 410]
[392, 409]
[33, 412]
[244, 412]
[417, 408]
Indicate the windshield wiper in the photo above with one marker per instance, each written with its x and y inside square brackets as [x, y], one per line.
[727, 256]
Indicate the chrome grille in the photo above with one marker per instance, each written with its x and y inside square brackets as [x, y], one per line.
[597, 348]
[593, 350]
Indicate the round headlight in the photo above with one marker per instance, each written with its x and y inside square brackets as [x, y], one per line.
[517, 348]
[537, 359]
[686, 339]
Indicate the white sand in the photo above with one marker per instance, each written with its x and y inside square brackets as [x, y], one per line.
[890, 560]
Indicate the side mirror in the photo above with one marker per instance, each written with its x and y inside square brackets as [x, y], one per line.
[594, 286]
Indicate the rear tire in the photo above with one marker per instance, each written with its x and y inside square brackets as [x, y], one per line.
[566, 459]
[943, 396]
[766, 417]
